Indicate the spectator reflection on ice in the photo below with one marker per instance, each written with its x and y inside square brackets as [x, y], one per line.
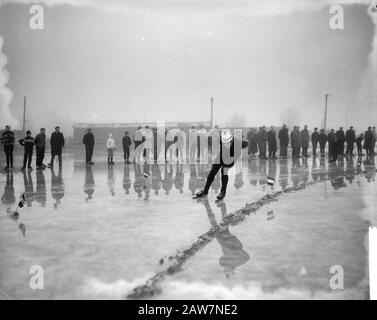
[8, 198]
[40, 196]
[111, 180]
[139, 180]
[252, 170]
[89, 186]
[336, 175]
[234, 255]
[315, 170]
[193, 185]
[167, 183]
[322, 167]
[283, 175]
[350, 170]
[29, 188]
[295, 171]
[369, 168]
[179, 178]
[156, 178]
[126, 179]
[305, 171]
[147, 186]
[57, 186]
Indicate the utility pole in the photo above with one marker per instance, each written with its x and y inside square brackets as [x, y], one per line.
[211, 112]
[24, 119]
[325, 121]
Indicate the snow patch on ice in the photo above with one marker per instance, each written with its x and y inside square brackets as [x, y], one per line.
[97, 289]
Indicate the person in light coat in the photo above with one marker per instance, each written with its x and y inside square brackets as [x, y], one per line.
[111, 147]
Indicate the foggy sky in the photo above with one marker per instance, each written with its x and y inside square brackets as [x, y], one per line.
[164, 60]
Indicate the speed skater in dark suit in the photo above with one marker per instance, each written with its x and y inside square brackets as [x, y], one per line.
[230, 152]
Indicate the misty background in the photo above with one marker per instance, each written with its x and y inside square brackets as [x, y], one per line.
[134, 61]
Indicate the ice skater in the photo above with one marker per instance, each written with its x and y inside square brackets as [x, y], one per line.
[226, 148]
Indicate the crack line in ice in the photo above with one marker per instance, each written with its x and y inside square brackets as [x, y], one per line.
[150, 288]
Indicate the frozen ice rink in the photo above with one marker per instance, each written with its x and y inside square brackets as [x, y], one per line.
[135, 231]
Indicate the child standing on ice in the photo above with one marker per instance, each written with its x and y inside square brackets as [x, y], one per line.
[28, 144]
[110, 145]
[227, 148]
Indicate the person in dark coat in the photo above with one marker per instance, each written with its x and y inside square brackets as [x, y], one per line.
[28, 144]
[340, 139]
[40, 148]
[368, 141]
[305, 138]
[253, 142]
[359, 142]
[332, 145]
[7, 140]
[126, 142]
[272, 143]
[322, 138]
[262, 143]
[284, 140]
[89, 142]
[57, 143]
[296, 142]
[226, 158]
[350, 140]
[315, 140]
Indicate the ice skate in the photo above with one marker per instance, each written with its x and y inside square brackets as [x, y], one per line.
[201, 194]
[220, 197]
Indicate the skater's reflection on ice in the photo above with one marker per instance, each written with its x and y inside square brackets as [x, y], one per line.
[89, 186]
[234, 255]
[57, 186]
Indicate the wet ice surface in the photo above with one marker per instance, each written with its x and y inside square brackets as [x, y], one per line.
[100, 232]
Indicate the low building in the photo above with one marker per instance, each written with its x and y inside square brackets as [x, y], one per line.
[101, 131]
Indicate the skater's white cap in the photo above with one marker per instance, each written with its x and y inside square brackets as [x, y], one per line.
[226, 136]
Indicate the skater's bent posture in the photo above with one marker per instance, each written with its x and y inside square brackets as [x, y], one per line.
[227, 143]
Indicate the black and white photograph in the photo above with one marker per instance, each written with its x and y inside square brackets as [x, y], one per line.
[207, 150]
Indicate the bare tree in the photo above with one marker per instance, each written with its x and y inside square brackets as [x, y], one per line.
[290, 117]
[236, 121]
